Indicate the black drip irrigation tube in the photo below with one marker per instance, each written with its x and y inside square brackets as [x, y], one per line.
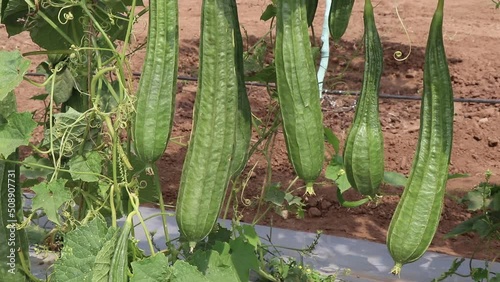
[336, 92]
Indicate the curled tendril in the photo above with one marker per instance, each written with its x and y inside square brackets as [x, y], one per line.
[106, 26]
[63, 17]
[143, 184]
[45, 4]
[67, 149]
[398, 55]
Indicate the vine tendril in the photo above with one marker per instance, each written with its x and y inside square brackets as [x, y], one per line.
[399, 54]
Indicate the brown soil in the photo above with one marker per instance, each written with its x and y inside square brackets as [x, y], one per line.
[472, 37]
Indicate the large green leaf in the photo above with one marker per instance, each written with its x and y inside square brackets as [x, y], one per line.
[14, 15]
[12, 69]
[63, 86]
[30, 170]
[185, 272]
[102, 263]
[81, 248]
[69, 133]
[15, 132]
[89, 163]
[226, 261]
[142, 269]
[50, 197]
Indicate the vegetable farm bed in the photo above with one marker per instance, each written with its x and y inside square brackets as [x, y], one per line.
[471, 38]
[353, 260]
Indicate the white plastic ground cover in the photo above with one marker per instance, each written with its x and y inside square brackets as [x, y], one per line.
[367, 261]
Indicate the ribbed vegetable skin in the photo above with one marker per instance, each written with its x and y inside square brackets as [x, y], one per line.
[244, 113]
[155, 104]
[298, 91]
[364, 148]
[207, 167]
[418, 213]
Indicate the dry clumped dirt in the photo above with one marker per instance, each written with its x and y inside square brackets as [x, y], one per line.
[472, 40]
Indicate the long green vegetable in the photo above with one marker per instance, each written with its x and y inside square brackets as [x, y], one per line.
[364, 148]
[340, 13]
[207, 167]
[311, 7]
[298, 91]
[244, 114]
[118, 271]
[157, 87]
[417, 215]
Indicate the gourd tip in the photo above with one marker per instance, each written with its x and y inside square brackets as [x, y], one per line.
[192, 244]
[310, 189]
[396, 270]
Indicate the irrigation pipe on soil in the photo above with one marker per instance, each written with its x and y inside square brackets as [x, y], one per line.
[337, 92]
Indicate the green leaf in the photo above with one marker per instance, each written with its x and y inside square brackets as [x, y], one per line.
[265, 75]
[394, 178]
[495, 202]
[479, 274]
[334, 168]
[63, 86]
[482, 227]
[31, 171]
[332, 139]
[40, 97]
[16, 132]
[12, 11]
[451, 271]
[274, 195]
[457, 175]
[81, 247]
[251, 236]
[244, 258]
[89, 163]
[8, 106]
[293, 200]
[148, 194]
[107, 101]
[50, 197]
[464, 227]
[475, 200]
[142, 269]
[70, 128]
[13, 66]
[221, 234]
[102, 263]
[335, 172]
[36, 234]
[185, 272]
[216, 264]
[269, 13]
[343, 183]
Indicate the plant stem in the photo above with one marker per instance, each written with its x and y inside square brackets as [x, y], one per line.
[162, 204]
